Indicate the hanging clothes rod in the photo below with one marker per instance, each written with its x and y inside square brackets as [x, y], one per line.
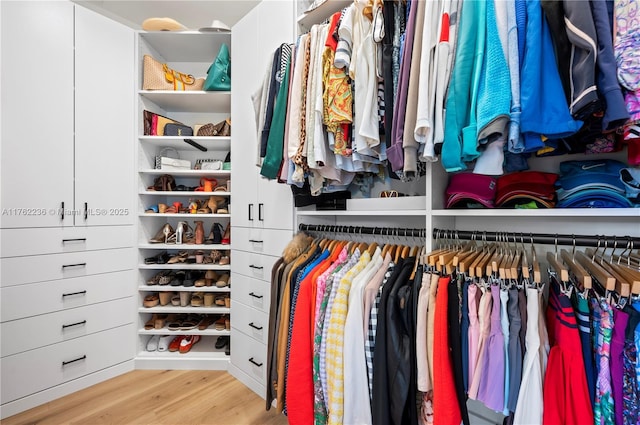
[540, 238]
[363, 230]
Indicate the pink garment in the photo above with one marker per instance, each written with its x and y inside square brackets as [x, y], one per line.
[423, 377]
[371, 290]
[474, 329]
[484, 316]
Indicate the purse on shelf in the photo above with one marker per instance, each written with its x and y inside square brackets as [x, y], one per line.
[173, 129]
[164, 183]
[208, 164]
[219, 73]
[154, 124]
[158, 76]
[165, 162]
[223, 128]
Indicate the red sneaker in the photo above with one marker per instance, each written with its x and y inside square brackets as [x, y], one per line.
[175, 344]
[188, 342]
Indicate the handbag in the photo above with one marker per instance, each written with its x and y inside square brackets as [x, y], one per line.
[223, 128]
[177, 130]
[158, 76]
[219, 73]
[164, 183]
[154, 123]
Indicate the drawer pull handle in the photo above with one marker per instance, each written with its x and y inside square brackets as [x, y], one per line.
[84, 322]
[256, 267]
[74, 360]
[259, 328]
[255, 363]
[253, 294]
[250, 212]
[64, 266]
[69, 294]
[255, 241]
[74, 240]
[86, 210]
[62, 210]
[260, 208]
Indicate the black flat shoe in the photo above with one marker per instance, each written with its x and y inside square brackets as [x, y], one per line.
[160, 258]
[222, 341]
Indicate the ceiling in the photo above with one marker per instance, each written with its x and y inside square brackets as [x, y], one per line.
[192, 14]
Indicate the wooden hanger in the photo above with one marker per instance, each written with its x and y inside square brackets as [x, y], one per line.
[582, 276]
[537, 275]
[596, 270]
[515, 265]
[560, 269]
[626, 280]
[478, 266]
[372, 248]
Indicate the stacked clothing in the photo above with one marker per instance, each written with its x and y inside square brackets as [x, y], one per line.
[630, 178]
[526, 190]
[591, 184]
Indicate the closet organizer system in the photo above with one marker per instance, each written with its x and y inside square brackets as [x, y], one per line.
[479, 317]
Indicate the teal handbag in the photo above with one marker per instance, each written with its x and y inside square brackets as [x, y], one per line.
[219, 73]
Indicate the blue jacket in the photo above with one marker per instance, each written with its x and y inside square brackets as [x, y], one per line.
[544, 106]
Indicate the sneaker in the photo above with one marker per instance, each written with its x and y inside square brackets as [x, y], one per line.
[175, 343]
[152, 344]
[165, 340]
[188, 342]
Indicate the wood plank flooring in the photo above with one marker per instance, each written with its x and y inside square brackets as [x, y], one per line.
[158, 397]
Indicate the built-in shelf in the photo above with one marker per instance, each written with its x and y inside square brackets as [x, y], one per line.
[169, 288]
[188, 173]
[551, 212]
[219, 143]
[192, 101]
[185, 246]
[186, 46]
[185, 216]
[196, 331]
[187, 309]
[388, 213]
[183, 193]
[183, 266]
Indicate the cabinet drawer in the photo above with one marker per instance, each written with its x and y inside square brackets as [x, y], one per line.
[20, 270]
[250, 356]
[252, 292]
[263, 241]
[253, 265]
[36, 370]
[251, 322]
[39, 331]
[19, 242]
[47, 297]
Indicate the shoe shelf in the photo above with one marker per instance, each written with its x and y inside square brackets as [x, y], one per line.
[203, 356]
[186, 246]
[186, 309]
[145, 214]
[180, 288]
[196, 331]
[188, 173]
[185, 46]
[218, 143]
[193, 101]
[184, 266]
[183, 193]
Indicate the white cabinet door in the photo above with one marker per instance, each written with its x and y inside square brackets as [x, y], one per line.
[104, 110]
[37, 113]
[246, 77]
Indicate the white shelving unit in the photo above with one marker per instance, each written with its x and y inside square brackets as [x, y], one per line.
[190, 52]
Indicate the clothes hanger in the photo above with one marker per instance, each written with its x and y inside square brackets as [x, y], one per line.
[535, 265]
[556, 265]
[373, 245]
[601, 275]
[623, 283]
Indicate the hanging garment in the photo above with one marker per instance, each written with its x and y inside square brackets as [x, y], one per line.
[453, 318]
[515, 350]
[423, 377]
[631, 402]
[566, 396]
[529, 409]
[484, 319]
[604, 411]
[446, 409]
[620, 320]
[581, 308]
[491, 389]
[504, 324]
[276, 275]
[464, 334]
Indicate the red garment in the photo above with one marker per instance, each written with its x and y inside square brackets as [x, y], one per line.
[446, 409]
[565, 392]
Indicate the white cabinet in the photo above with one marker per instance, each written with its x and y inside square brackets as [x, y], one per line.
[66, 131]
[37, 113]
[259, 202]
[192, 53]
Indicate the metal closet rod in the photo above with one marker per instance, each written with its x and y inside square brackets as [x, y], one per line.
[364, 230]
[540, 238]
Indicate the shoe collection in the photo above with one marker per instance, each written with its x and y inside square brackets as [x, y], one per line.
[214, 256]
[189, 278]
[181, 343]
[186, 299]
[185, 322]
[184, 234]
[213, 205]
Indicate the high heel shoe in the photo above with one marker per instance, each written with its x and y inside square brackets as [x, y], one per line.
[215, 236]
[226, 237]
[177, 237]
[163, 234]
[212, 204]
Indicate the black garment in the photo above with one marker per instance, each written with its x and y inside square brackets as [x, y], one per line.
[387, 68]
[516, 351]
[554, 12]
[380, 407]
[276, 275]
[274, 88]
[455, 348]
[414, 402]
[399, 359]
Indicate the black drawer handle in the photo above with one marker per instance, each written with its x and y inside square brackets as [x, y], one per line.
[84, 322]
[256, 267]
[260, 208]
[62, 210]
[74, 360]
[74, 240]
[69, 294]
[64, 266]
[253, 294]
[254, 362]
[258, 328]
[250, 212]
[255, 241]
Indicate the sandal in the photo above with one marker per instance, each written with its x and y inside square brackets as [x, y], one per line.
[165, 298]
[156, 321]
[224, 260]
[181, 257]
[197, 300]
[226, 238]
[208, 299]
[151, 300]
[215, 236]
[209, 277]
[175, 324]
[166, 278]
[175, 299]
[223, 281]
[207, 320]
[191, 322]
[178, 278]
[215, 256]
[155, 280]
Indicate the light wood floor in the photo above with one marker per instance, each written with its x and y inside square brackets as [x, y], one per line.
[157, 397]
